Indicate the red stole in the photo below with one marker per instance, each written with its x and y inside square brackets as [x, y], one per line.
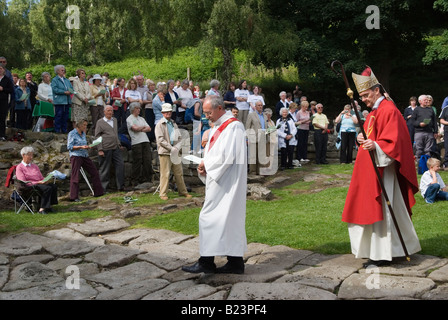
[387, 128]
[220, 130]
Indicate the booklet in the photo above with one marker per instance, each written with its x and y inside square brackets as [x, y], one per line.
[96, 142]
[271, 129]
[92, 102]
[24, 97]
[117, 103]
[72, 91]
[47, 178]
[194, 159]
[426, 121]
[102, 91]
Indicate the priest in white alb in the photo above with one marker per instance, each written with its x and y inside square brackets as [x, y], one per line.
[222, 219]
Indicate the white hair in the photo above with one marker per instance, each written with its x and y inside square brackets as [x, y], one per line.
[59, 66]
[282, 93]
[26, 150]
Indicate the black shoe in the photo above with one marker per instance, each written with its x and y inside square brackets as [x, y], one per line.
[376, 263]
[231, 268]
[199, 268]
[325, 162]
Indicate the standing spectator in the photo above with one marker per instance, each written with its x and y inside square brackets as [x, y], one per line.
[408, 117]
[6, 89]
[119, 104]
[281, 104]
[33, 94]
[271, 146]
[169, 142]
[242, 96]
[109, 150]
[426, 130]
[99, 93]
[172, 97]
[23, 105]
[11, 95]
[132, 94]
[186, 95]
[229, 97]
[253, 98]
[44, 91]
[214, 88]
[158, 101]
[79, 158]
[80, 100]
[297, 94]
[141, 147]
[444, 121]
[320, 123]
[143, 89]
[303, 119]
[286, 139]
[256, 135]
[149, 112]
[348, 134]
[62, 91]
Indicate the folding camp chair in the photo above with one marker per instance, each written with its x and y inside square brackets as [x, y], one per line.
[44, 111]
[27, 197]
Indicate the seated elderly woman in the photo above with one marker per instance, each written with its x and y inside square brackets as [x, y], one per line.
[30, 176]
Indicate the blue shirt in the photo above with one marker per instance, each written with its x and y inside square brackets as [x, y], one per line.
[76, 140]
[261, 117]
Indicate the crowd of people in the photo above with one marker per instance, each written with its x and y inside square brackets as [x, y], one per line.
[133, 108]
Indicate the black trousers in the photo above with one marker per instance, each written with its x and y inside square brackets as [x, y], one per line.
[302, 144]
[49, 195]
[320, 143]
[286, 156]
[347, 145]
[115, 157]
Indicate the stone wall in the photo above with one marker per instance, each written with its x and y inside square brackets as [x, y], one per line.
[51, 154]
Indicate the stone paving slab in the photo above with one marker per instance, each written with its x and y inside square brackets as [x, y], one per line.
[115, 262]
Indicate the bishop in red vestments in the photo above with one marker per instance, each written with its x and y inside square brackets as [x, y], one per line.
[372, 232]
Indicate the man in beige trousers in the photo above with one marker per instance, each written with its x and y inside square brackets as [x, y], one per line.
[168, 144]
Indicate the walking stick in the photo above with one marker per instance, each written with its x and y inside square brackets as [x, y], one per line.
[372, 155]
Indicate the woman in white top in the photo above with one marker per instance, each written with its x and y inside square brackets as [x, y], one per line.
[132, 94]
[242, 97]
[185, 95]
[44, 91]
[253, 98]
[80, 100]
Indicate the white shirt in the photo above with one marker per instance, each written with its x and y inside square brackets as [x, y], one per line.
[109, 122]
[253, 99]
[426, 180]
[137, 137]
[44, 92]
[185, 95]
[242, 105]
[133, 94]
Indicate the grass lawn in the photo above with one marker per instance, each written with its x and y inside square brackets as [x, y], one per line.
[303, 215]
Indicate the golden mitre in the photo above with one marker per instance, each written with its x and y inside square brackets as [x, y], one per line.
[365, 80]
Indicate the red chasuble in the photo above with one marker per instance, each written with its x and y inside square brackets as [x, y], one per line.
[387, 128]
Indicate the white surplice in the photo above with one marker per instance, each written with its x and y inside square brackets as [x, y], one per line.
[222, 221]
[380, 241]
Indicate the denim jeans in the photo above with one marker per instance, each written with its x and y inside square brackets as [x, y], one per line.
[433, 193]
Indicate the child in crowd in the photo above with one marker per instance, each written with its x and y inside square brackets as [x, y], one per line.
[432, 186]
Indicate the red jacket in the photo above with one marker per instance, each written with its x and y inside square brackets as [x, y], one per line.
[115, 95]
[386, 127]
